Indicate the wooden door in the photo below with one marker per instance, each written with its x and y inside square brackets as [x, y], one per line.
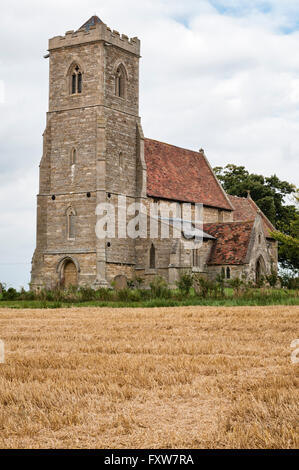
[70, 275]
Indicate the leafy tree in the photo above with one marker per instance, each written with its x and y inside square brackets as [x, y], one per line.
[288, 249]
[270, 194]
[289, 244]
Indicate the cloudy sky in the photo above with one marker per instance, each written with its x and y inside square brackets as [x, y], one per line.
[217, 74]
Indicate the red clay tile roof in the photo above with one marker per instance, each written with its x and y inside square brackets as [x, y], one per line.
[232, 242]
[246, 209]
[182, 175]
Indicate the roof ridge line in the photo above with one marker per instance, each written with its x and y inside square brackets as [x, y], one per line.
[217, 181]
[238, 197]
[171, 145]
[260, 212]
[231, 222]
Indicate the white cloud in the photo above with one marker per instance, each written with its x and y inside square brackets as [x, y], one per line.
[221, 75]
[2, 92]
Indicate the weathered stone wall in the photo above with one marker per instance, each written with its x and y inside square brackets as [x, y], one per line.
[236, 272]
[121, 250]
[75, 129]
[114, 270]
[121, 153]
[259, 250]
[121, 116]
[51, 276]
[90, 58]
[272, 246]
[211, 214]
[128, 105]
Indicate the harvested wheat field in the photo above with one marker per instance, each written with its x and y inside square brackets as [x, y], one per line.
[191, 377]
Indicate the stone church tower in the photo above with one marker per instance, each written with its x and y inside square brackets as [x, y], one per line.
[93, 145]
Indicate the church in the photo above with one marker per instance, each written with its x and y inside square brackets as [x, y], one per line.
[95, 152]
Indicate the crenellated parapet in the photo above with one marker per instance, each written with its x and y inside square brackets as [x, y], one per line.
[96, 33]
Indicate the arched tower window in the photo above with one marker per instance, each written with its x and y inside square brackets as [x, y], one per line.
[73, 157]
[76, 80]
[120, 160]
[120, 82]
[152, 257]
[228, 273]
[70, 223]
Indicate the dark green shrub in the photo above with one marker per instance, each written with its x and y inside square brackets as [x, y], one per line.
[139, 281]
[272, 279]
[145, 294]
[260, 282]
[159, 288]
[103, 294]
[123, 295]
[87, 294]
[52, 296]
[294, 283]
[57, 295]
[204, 287]
[237, 285]
[185, 283]
[24, 295]
[289, 281]
[135, 283]
[41, 295]
[10, 294]
[221, 284]
[135, 296]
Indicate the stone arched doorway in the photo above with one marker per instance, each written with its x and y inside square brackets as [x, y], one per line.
[68, 270]
[260, 269]
[70, 275]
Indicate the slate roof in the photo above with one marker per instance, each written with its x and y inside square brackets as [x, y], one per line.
[231, 244]
[182, 175]
[91, 22]
[246, 209]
